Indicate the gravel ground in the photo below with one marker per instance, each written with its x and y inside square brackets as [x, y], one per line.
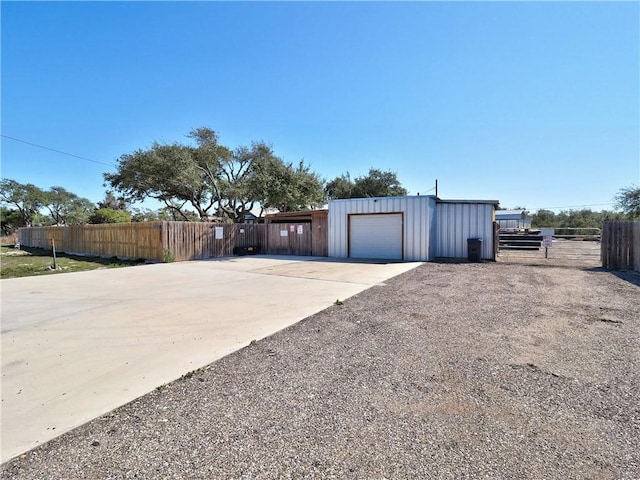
[448, 371]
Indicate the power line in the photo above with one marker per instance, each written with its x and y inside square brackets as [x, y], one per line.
[57, 151]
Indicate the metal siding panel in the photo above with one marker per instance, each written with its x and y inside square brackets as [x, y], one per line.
[337, 229]
[423, 229]
[457, 233]
[420, 220]
[416, 227]
[445, 230]
[412, 229]
[433, 229]
[458, 222]
[449, 226]
[342, 222]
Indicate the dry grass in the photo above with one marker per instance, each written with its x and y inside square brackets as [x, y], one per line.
[27, 262]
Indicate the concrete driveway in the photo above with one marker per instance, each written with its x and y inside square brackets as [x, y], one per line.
[78, 345]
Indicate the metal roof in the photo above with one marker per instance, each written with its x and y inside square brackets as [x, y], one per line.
[438, 200]
[473, 202]
[510, 214]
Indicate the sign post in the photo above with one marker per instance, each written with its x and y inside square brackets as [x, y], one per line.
[55, 263]
[547, 239]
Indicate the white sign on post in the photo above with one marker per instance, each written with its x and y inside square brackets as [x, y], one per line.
[284, 233]
[219, 233]
[299, 229]
[547, 236]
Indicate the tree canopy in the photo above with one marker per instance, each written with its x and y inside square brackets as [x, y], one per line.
[279, 185]
[64, 207]
[10, 220]
[27, 198]
[628, 200]
[376, 184]
[67, 208]
[214, 179]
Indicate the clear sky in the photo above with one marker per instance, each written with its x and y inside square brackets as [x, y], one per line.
[534, 104]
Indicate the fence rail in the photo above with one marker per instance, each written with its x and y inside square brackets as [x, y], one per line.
[620, 245]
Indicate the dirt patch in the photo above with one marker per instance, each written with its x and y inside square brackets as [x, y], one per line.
[13, 253]
[447, 371]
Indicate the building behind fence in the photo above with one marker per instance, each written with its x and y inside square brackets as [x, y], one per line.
[620, 245]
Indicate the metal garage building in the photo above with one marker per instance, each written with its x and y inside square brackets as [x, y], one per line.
[513, 220]
[419, 228]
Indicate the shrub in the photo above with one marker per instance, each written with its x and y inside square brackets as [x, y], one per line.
[110, 215]
[168, 256]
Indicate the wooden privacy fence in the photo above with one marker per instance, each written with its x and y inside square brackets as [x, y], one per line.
[124, 240]
[160, 241]
[178, 241]
[289, 238]
[196, 241]
[620, 245]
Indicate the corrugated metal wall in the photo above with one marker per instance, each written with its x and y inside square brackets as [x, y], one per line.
[456, 222]
[418, 229]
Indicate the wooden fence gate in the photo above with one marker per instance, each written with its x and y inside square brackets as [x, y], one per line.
[289, 238]
[197, 241]
[621, 245]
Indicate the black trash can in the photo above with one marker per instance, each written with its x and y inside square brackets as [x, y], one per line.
[474, 249]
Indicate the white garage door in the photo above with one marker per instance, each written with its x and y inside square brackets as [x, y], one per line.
[376, 236]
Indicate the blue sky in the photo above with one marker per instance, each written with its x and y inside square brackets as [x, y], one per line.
[535, 104]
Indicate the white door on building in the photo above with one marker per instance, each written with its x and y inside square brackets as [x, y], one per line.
[376, 236]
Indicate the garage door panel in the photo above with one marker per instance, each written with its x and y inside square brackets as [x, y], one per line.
[376, 236]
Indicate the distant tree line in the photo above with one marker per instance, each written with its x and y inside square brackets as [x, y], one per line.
[627, 203]
[583, 218]
[26, 205]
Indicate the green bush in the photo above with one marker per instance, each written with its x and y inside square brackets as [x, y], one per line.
[110, 215]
